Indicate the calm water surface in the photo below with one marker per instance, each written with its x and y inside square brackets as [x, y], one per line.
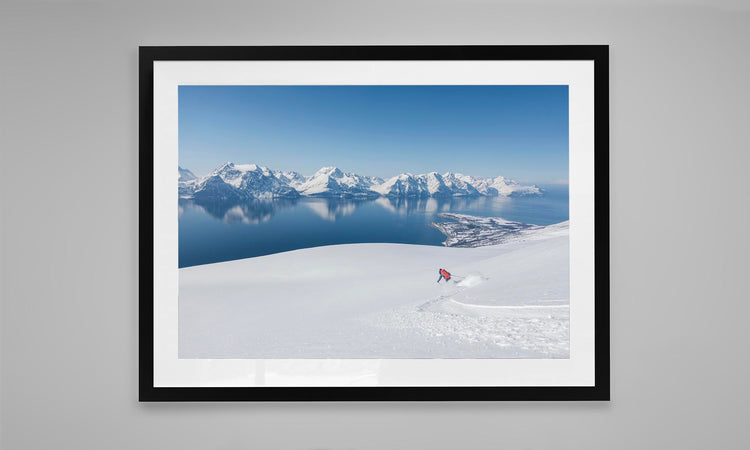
[221, 232]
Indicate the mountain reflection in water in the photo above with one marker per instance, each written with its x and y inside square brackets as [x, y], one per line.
[212, 232]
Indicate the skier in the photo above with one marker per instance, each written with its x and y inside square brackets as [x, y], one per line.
[444, 275]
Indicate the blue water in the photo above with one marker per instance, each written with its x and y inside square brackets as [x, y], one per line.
[215, 233]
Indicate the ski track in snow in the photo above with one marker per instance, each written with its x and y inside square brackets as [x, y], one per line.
[537, 330]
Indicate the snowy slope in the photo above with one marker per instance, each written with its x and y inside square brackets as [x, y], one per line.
[382, 301]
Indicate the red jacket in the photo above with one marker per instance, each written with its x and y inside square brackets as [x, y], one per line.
[445, 274]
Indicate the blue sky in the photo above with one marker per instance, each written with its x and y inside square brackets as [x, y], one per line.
[520, 132]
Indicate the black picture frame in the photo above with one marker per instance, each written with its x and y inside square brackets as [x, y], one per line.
[599, 54]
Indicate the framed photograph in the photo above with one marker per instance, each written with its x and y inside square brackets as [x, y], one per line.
[374, 223]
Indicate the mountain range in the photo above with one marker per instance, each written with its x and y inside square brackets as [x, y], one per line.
[241, 182]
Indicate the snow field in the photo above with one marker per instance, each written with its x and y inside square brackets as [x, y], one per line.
[382, 301]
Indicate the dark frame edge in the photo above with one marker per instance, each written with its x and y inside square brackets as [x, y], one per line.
[146, 57]
[381, 394]
[601, 389]
[602, 354]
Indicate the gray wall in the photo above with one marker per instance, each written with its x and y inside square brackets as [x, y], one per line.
[679, 161]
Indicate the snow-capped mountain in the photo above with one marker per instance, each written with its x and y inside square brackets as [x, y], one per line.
[498, 186]
[238, 182]
[451, 185]
[332, 182]
[403, 185]
[374, 181]
[212, 188]
[186, 182]
[185, 175]
[292, 178]
[436, 186]
[256, 180]
[241, 182]
[459, 186]
[427, 185]
[511, 188]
